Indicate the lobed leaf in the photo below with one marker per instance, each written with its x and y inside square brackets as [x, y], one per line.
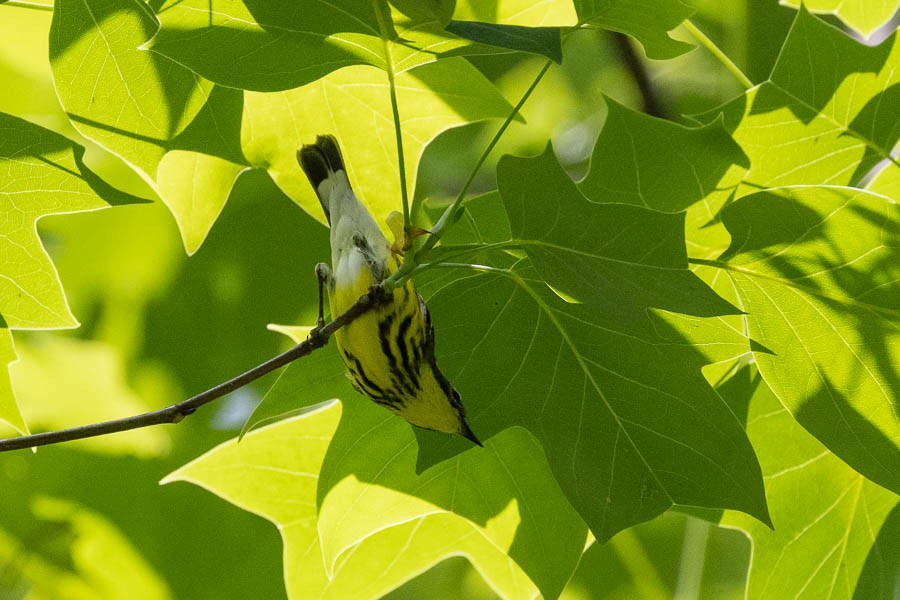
[658, 164]
[285, 461]
[824, 117]
[616, 257]
[648, 21]
[833, 536]
[43, 174]
[614, 393]
[162, 119]
[354, 104]
[268, 47]
[863, 16]
[822, 293]
[128, 100]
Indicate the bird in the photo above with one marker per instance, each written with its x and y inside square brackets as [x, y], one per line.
[389, 351]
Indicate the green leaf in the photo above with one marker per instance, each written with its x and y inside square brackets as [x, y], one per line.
[61, 561]
[354, 104]
[648, 21]
[44, 175]
[629, 425]
[661, 165]
[820, 546]
[140, 106]
[619, 258]
[369, 483]
[525, 13]
[614, 396]
[128, 100]
[822, 293]
[268, 47]
[264, 46]
[64, 382]
[822, 118]
[9, 408]
[196, 187]
[274, 472]
[863, 16]
[544, 41]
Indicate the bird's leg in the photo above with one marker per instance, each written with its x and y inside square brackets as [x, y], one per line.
[323, 274]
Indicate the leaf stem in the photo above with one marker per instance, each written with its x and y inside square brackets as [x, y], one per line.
[452, 213]
[392, 87]
[26, 4]
[175, 413]
[717, 52]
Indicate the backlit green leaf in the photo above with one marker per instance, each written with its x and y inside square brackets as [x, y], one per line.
[863, 16]
[139, 105]
[822, 293]
[824, 117]
[830, 522]
[274, 471]
[616, 257]
[613, 390]
[646, 20]
[130, 101]
[42, 174]
[268, 47]
[525, 13]
[354, 104]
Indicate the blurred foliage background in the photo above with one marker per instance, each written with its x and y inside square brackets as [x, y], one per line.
[89, 520]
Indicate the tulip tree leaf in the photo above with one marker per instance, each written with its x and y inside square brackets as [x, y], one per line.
[524, 13]
[822, 295]
[354, 105]
[274, 472]
[631, 17]
[840, 541]
[268, 47]
[140, 106]
[621, 433]
[821, 118]
[43, 175]
[544, 41]
[659, 164]
[128, 100]
[863, 16]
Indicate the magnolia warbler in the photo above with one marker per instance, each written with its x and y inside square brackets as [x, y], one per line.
[388, 351]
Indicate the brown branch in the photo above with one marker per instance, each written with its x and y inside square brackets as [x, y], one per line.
[652, 105]
[318, 337]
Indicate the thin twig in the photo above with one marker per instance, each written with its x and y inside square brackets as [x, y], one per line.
[175, 413]
[652, 105]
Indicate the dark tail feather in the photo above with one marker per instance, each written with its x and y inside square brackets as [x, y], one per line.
[320, 161]
[467, 433]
